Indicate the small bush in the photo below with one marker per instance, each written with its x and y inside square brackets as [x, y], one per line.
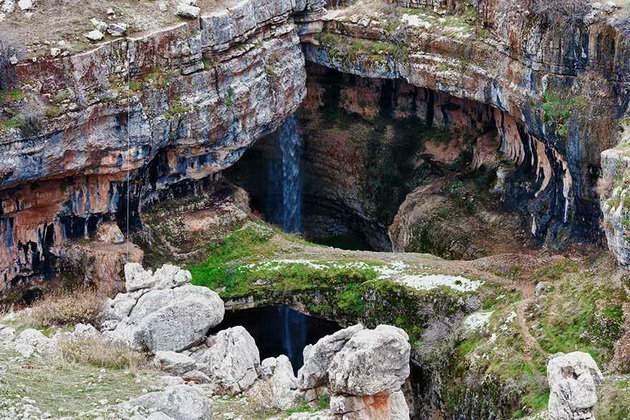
[102, 354]
[67, 308]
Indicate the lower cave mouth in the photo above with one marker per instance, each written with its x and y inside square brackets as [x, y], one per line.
[279, 330]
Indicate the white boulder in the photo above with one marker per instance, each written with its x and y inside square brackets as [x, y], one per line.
[6, 333]
[278, 378]
[317, 357]
[372, 362]
[8, 6]
[166, 277]
[172, 319]
[178, 402]
[94, 35]
[187, 11]
[231, 360]
[25, 4]
[573, 381]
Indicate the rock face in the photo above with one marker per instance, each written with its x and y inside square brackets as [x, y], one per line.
[556, 145]
[174, 317]
[317, 357]
[614, 202]
[385, 350]
[174, 107]
[573, 380]
[363, 369]
[178, 402]
[231, 360]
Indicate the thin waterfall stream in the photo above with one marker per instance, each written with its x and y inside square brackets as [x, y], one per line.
[286, 177]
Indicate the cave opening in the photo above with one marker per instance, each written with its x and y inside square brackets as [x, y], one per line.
[279, 330]
[382, 165]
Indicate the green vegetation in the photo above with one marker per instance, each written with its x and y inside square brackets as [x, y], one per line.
[177, 108]
[230, 98]
[345, 48]
[236, 266]
[7, 96]
[558, 110]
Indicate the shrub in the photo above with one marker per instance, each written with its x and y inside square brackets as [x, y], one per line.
[102, 354]
[67, 308]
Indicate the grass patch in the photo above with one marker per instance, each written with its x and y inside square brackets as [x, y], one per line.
[101, 354]
[63, 308]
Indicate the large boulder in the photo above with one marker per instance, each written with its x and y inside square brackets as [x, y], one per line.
[363, 370]
[162, 311]
[178, 402]
[231, 360]
[371, 362]
[278, 384]
[317, 357]
[573, 381]
[174, 363]
[170, 320]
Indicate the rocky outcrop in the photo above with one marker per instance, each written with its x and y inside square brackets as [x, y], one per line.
[573, 381]
[101, 135]
[614, 201]
[230, 359]
[363, 369]
[539, 78]
[163, 312]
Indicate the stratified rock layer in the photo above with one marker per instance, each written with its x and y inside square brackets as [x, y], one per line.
[109, 131]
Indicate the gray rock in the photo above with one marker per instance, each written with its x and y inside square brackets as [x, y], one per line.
[25, 4]
[371, 362]
[188, 11]
[279, 381]
[166, 277]
[99, 24]
[34, 338]
[174, 319]
[179, 402]
[231, 360]
[541, 288]
[6, 333]
[317, 357]
[573, 381]
[94, 35]
[117, 29]
[8, 6]
[174, 363]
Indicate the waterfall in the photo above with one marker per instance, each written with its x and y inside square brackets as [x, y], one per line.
[285, 179]
[294, 328]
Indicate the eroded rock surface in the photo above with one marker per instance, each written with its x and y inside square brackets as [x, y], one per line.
[573, 380]
[365, 370]
[172, 318]
[231, 360]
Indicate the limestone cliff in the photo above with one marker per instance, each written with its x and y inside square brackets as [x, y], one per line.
[162, 110]
[558, 88]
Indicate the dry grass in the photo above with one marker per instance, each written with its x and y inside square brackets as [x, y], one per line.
[102, 354]
[604, 186]
[67, 308]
